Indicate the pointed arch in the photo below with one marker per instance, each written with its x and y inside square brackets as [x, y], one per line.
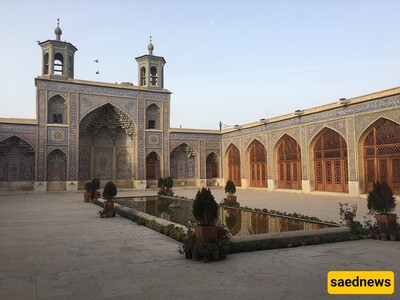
[258, 169]
[57, 110]
[109, 116]
[153, 116]
[58, 64]
[381, 154]
[330, 161]
[153, 75]
[56, 166]
[17, 160]
[142, 76]
[107, 134]
[232, 157]
[46, 64]
[153, 166]
[183, 162]
[212, 165]
[288, 155]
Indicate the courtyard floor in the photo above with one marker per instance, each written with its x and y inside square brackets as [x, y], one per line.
[54, 246]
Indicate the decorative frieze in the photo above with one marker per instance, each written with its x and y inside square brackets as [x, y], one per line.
[101, 90]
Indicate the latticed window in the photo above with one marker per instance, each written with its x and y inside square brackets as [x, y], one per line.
[258, 165]
[289, 162]
[234, 173]
[330, 162]
[381, 150]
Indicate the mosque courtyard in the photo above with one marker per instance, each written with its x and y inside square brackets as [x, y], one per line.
[55, 246]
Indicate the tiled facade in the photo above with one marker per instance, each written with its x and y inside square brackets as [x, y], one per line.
[121, 132]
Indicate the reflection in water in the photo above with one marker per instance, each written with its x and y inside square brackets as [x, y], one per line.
[239, 221]
[176, 210]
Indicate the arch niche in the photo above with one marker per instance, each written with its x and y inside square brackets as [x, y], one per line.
[212, 169]
[257, 156]
[106, 145]
[381, 154]
[330, 162]
[56, 170]
[289, 163]
[152, 166]
[183, 164]
[234, 165]
[17, 160]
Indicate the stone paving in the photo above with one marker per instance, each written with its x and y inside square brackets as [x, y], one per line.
[54, 246]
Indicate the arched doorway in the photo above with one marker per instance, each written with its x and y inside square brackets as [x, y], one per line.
[106, 145]
[212, 166]
[289, 163]
[17, 163]
[258, 164]
[152, 166]
[56, 170]
[330, 162]
[381, 151]
[212, 169]
[234, 165]
[183, 166]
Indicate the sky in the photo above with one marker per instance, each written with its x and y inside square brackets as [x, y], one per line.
[227, 60]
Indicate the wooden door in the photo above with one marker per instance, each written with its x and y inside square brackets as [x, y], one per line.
[289, 164]
[150, 170]
[234, 165]
[330, 162]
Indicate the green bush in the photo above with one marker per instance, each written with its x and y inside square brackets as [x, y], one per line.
[110, 190]
[230, 187]
[205, 208]
[95, 184]
[380, 198]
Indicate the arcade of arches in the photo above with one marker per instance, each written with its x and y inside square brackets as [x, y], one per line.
[380, 154]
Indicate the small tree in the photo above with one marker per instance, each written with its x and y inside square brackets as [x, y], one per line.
[95, 185]
[380, 198]
[165, 186]
[205, 208]
[160, 183]
[168, 182]
[230, 187]
[110, 190]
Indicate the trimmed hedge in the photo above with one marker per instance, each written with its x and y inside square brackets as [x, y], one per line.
[291, 242]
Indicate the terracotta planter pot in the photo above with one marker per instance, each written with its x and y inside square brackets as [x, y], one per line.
[386, 222]
[205, 233]
[109, 208]
[231, 199]
[87, 196]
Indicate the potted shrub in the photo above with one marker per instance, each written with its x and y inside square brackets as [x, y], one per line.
[188, 242]
[95, 185]
[381, 202]
[165, 186]
[205, 211]
[347, 214]
[230, 190]
[87, 195]
[109, 192]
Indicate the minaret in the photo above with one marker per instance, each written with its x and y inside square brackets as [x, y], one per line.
[151, 69]
[57, 57]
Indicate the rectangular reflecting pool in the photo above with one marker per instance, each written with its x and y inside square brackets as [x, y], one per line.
[238, 220]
